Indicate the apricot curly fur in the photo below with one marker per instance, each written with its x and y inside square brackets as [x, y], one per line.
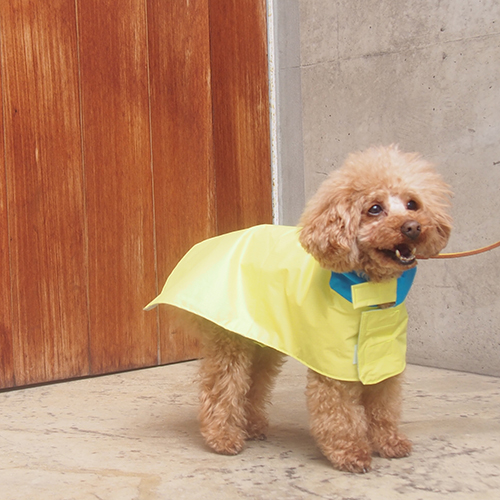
[349, 421]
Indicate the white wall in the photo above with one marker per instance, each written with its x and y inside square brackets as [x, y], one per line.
[425, 75]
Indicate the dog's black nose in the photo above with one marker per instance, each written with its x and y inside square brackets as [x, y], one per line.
[411, 229]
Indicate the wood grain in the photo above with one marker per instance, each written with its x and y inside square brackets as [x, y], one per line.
[117, 159]
[132, 130]
[240, 113]
[181, 116]
[6, 352]
[45, 192]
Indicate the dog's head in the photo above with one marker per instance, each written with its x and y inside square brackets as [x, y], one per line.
[376, 213]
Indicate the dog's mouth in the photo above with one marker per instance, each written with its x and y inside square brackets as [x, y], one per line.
[402, 254]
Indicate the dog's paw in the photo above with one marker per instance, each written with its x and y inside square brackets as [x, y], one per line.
[395, 447]
[257, 429]
[226, 442]
[256, 436]
[357, 460]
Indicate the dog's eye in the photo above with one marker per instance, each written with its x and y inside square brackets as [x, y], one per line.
[412, 205]
[376, 210]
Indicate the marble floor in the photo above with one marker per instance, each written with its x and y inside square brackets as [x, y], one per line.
[134, 436]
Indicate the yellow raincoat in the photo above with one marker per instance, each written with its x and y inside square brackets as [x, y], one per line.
[260, 283]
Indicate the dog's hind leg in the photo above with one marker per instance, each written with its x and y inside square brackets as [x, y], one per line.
[225, 381]
[266, 365]
[338, 422]
[383, 409]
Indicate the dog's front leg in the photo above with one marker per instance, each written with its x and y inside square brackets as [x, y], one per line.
[383, 409]
[338, 422]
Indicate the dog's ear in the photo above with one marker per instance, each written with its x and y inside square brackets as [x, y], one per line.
[437, 204]
[330, 224]
[443, 227]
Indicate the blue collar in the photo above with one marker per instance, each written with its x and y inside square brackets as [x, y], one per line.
[342, 283]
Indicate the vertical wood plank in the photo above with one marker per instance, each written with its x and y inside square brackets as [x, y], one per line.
[45, 197]
[240, 113]
[117, 157]
[6, 354]
[182, 143]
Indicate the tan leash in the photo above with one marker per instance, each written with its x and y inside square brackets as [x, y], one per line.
[455, 255]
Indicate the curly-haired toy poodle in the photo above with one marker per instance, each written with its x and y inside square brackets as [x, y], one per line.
[330, 293]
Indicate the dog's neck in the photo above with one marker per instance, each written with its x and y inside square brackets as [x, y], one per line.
[377, 274]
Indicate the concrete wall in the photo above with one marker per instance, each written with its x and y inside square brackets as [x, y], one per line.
[291, 199]
[425, 75]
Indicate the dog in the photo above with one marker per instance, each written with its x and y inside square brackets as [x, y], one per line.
[330, 293]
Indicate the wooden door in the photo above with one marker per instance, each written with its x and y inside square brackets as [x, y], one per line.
[131, 130]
